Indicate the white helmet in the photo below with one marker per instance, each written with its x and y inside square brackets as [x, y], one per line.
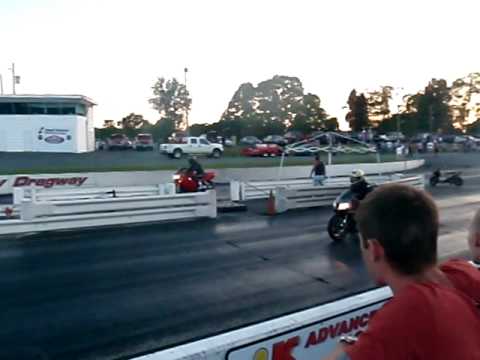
[357, 175]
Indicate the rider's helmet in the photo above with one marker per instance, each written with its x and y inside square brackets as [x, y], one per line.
[357, 175]
[192, 159]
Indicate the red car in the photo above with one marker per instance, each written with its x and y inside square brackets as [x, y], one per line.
[263, 150]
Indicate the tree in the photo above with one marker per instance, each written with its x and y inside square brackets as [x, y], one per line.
[272, 107]
[378, 104]
[199, 129]
[133, 121]
[331, 124]
[309, 115]
[108, 123]
[429, 109]
[162, 129]
[465, 101]
[357, 117]
[172, 101]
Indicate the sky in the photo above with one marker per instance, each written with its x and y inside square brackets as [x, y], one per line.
[113, 50]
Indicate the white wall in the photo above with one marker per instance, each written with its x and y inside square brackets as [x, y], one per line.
[21, 133]
[90, 146]
[106, 179]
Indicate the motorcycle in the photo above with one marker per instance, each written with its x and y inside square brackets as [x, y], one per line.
[342, 222]
[186, 182]
[450, 177]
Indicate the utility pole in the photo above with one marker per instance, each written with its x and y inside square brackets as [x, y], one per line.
[430, 117]
[14, 79]
[186, 114]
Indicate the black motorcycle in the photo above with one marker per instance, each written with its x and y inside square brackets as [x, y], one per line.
[342, 222]
[450, 177]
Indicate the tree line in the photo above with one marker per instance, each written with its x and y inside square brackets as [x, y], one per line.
[280, 104]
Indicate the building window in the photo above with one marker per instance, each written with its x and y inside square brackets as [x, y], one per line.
[40, 108]
[54, 109]
[6, 109]
[81, 110]
[37, 108]
[68, 109]
[21, 108]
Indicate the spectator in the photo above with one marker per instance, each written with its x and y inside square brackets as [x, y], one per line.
[318, 171]
[474, 238]
[398, 228]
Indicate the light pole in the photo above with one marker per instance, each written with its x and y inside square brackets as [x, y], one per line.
[14, 79]
[185, 71]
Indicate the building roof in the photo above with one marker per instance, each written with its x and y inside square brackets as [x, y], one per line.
[39, 98]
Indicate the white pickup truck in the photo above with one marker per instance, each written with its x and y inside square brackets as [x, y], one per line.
[193, 146]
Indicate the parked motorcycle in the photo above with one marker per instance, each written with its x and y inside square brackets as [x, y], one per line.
[449, 177]
[186, 182]
[342, 222]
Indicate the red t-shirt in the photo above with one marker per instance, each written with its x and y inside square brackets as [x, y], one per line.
[426, 321]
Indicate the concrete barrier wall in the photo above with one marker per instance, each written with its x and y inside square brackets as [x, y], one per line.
[298, 172]
[142, 178]
[310, 334]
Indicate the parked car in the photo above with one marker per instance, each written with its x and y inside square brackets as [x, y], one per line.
[293, 136]
[192, 146]
[100, 145]
[396, 135]
[262, 150]
[275, 139]
[250, 140]
[118, 142]
[214, 138]
[143, 142]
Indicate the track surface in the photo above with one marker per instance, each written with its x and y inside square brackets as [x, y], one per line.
[113, 293]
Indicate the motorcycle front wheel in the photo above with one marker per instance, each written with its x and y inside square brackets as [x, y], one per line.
[338, 227]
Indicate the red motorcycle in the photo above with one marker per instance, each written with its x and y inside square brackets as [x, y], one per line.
[187, 182]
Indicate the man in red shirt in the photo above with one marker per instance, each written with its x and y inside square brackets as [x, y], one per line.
[474, 238]
[434, 313]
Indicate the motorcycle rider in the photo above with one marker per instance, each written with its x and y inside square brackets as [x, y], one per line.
[196, 169]
[359, 185]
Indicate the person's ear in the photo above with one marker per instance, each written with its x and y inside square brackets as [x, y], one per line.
[376, 250]
[476, 238]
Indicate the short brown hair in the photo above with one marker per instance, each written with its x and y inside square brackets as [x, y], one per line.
[405, 222]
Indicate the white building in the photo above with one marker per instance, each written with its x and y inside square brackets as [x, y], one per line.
[52, 123]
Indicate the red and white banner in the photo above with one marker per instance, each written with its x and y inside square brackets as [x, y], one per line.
[311, 341]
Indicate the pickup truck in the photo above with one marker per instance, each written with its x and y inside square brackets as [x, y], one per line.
[192, 146]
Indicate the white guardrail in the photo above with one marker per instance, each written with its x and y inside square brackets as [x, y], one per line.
[41, 194]
[40, 211]
[306, 335]
[251, 190]
[314, 196]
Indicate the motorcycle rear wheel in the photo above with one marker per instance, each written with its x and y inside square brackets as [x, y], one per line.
[457, 181]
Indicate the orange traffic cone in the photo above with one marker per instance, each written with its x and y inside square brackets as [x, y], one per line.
[271, 204]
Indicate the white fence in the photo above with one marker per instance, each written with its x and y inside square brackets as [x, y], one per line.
[146, 178]
[242, 191]
[314, 196]
[37, 194]
[38, 215]
[326, 322]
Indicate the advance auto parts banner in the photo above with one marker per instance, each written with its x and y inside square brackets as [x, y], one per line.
[311, 342]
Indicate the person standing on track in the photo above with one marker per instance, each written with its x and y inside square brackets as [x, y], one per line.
[318, 172]
[398, 227]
